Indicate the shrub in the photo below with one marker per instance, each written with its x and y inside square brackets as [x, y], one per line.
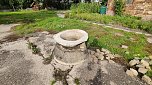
[85, 8]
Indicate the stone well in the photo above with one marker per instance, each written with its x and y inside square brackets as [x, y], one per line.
[70, 48]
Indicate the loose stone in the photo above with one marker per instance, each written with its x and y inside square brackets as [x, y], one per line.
[142, 70]
[105, 51]
[124, 46]
[130, 73]
[140, 66]
[134, 71]
[144, 63]
[101, 57]
[92, 52]
[146, 79]
[150, 57]
[150, 63]
[97, 50]
[110, 55]
[133, 62]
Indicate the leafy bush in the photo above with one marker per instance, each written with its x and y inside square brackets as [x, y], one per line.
[85, 8]
[126, 21]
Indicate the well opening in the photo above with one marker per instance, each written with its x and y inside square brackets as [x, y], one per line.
[71, 36]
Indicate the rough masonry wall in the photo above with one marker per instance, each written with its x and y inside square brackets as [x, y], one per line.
[141, 8]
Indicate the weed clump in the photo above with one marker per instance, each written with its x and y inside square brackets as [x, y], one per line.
[35, 49]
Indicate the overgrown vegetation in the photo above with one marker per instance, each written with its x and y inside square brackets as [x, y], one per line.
[126, 21]
[77, 81]
[85, 8]
[119, 5]
[53, 82]
[149, 73]
[34, 48]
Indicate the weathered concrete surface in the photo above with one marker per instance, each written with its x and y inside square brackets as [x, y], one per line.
[103, 73]
[18, 66]
[5, 30]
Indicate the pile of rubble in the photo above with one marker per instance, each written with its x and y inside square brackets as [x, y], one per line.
[140, 67]
[103, 54]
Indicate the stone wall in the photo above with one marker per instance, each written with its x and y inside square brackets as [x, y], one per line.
[141, 8]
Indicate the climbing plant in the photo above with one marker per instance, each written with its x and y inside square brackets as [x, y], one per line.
[119, 5]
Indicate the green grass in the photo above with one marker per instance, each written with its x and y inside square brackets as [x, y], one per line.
[112, 40]
[108, 38]
[24, 16]
[52, 23]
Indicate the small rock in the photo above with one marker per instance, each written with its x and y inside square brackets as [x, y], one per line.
[97, 54]
[150, 63]
[137, 58]
[110, 55]
[146, 79]
[149, 39]
[130, 73]
[133, 62]
[117, 55]
[108, 58]
[101, 57]
[45, 32]
[105, 51]
[93, 56]
[102, 53]
[140, 66]
[97, 50]
[132, 39]
[144, 63]
[148, 67]
[83, 47]
[92, 52]
[142, 70]
[124, 46]
[150, 57]
[134, 71]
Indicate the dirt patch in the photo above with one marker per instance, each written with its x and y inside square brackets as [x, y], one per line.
[122, 61]
[148, 48]
[50, 31]
[97, 79]
[60, 75]
[10, 38]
